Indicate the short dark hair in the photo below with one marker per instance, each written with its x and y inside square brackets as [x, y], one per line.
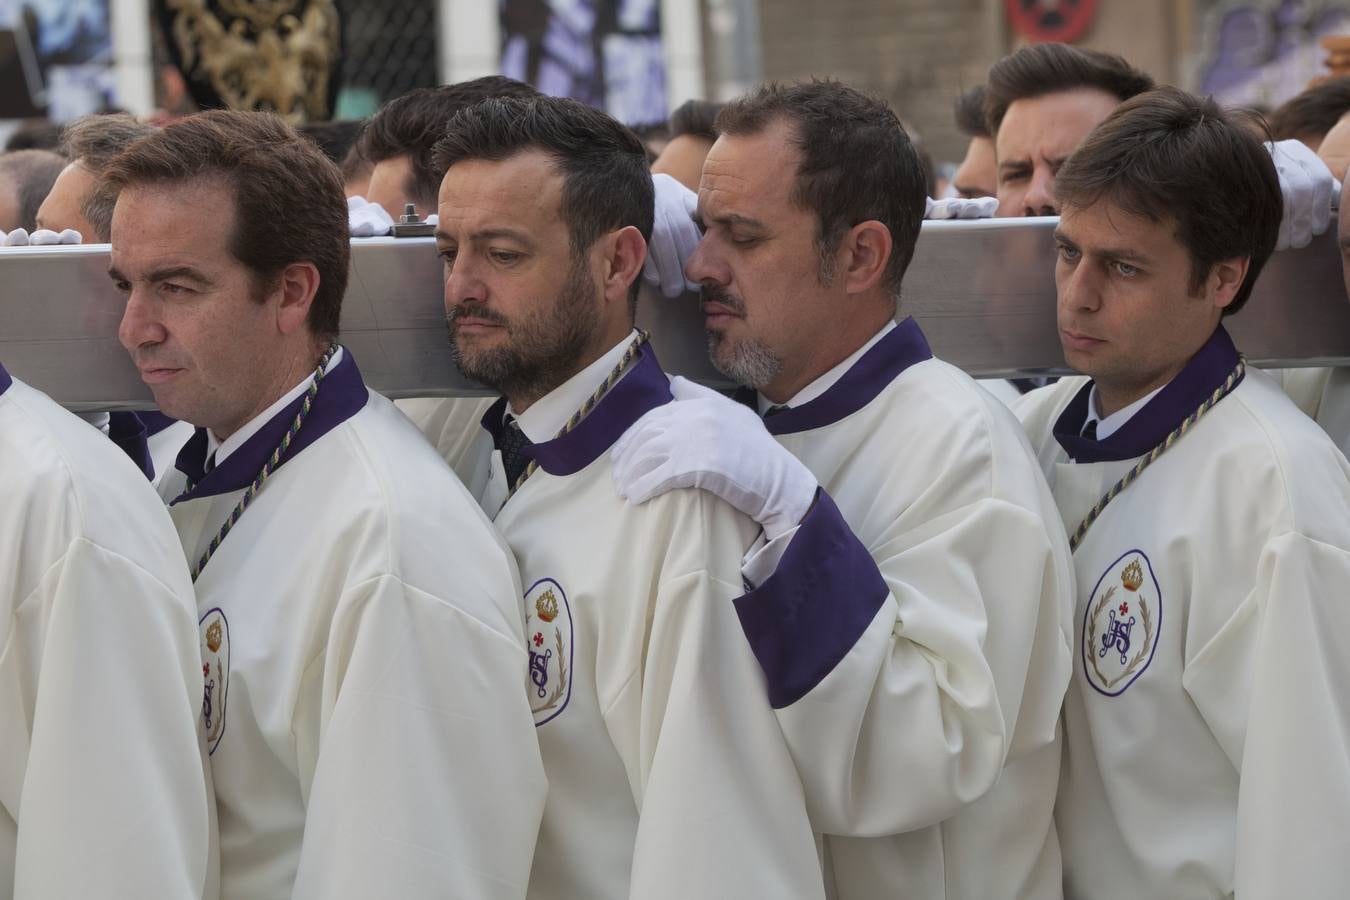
[1049, 68]
[93, 141]
[335, 139]
[33, 172]
[695, 118]
[1313, 112]
[1167, 155]
[288, 199]
[969, 113]
[412, 124]
[606, 182]
[35, 134]
[857, 162]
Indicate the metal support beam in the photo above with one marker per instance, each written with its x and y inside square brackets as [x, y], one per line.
[983, 292]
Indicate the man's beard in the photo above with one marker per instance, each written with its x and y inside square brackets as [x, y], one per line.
[543, 348]
[748, 361]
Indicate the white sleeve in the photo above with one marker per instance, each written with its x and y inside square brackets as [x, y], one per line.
[1275, 687]
[116, 800]
[428, 781]
[721, 811]
[956, 661]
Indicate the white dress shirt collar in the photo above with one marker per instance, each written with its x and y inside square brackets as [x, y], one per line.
[1109, 425]
[547, 415]
[826, 381]
[222, 449]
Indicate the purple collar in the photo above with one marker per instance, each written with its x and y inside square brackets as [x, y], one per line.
[902, 347]
[5, 380]
[1150, 426]
[644, 388]
[341, 395]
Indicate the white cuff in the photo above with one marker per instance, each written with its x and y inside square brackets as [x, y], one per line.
[762, 559]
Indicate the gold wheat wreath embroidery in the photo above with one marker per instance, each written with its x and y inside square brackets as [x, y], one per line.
[1135, 661]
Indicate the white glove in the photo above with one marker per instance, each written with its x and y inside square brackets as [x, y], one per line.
[17, 238]
[366, 219]
[961, 208]
[45, 237]
[674, 237]
[704, 440]
[1309, 190]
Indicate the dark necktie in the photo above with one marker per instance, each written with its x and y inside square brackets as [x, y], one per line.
[1090, 430]
[512, 443]
[774, 410]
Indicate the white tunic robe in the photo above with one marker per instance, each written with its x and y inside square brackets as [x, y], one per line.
[365, 712]
[1208, 723]
[452, 424]
[921, 693]
[668, 775]
[1324, 394]
[103, 787]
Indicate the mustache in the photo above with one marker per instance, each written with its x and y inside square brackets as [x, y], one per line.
[713, 293]
[461, 311]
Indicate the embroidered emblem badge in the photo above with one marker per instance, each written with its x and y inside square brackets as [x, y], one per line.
[548, 631]
[215, 635]
[1121, 624]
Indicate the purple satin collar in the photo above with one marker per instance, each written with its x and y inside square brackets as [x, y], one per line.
[342, 395]
[642, 389]
[5, 380]
[902, 347]
[1150, 426]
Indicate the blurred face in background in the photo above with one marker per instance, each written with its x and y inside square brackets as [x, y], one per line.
[977, 176]
[1035, 138]
[388, 185]
[64, 206]
[682, 159]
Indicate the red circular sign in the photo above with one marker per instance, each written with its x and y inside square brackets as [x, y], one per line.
[1052, 20]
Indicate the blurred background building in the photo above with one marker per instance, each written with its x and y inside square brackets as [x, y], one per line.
[637, 58]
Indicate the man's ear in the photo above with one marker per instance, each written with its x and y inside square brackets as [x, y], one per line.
[863, 255]
[1225, 279]
[624, 253]
[298, 284]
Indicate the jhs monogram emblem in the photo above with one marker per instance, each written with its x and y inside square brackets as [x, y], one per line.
[215, 636]
[548, 630]
[1117, 636]
[1122, 623]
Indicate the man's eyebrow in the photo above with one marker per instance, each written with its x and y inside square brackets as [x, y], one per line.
[187, 272]
[1122, 253]
[490, 234]
[970, 190]
[735, 219]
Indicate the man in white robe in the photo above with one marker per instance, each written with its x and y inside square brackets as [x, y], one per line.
[103, 785]
[919, 679]
[668, 774]
[360, 622]
[1207, 725]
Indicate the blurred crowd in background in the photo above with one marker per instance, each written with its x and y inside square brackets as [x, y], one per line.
[657, 66]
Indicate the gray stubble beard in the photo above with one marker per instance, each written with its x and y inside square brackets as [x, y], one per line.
[749, 362]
